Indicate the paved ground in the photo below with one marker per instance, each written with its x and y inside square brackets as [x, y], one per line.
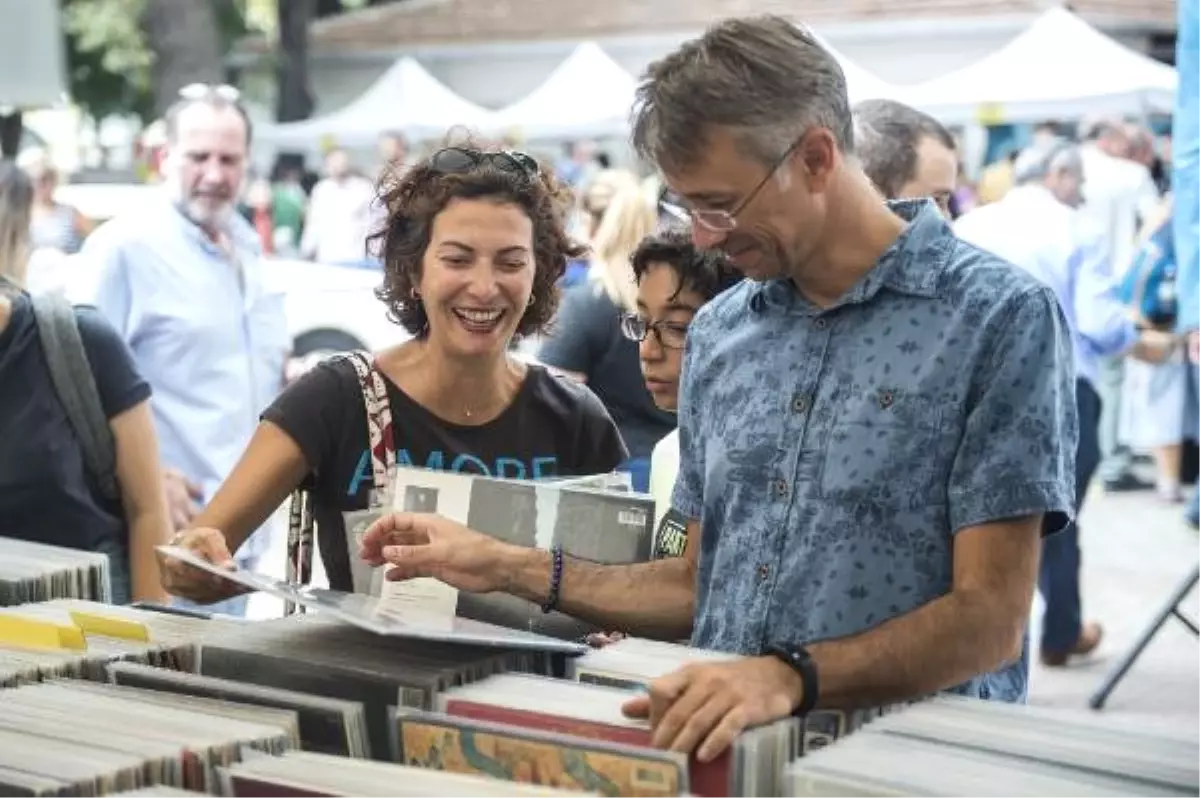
[1135, 551]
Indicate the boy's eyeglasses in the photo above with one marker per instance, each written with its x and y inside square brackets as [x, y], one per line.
[670, 334]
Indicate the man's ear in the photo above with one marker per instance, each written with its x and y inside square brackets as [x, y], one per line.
[817, 155]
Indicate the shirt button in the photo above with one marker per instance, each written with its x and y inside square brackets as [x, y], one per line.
[799, 403]
[781, 488]
[764, 571]
[821, 324]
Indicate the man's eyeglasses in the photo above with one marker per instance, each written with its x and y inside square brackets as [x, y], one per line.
[457, 160]
[203, 91]
[718, 220]
[670, 334]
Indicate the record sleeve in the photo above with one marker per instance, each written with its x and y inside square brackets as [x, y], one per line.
[370, 613]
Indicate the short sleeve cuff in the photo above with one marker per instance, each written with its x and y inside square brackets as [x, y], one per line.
[132, 397]
[1127, 337]
[686, 502]
[997, 503]
[309, 446]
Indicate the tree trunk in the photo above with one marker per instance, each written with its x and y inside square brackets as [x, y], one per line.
[183, 36]
[293, 96]
[11, 128]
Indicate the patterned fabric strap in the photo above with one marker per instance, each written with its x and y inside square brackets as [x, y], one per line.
[381, 443]
[381, 439]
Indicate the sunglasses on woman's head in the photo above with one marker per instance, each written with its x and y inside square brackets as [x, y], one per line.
[456, 160]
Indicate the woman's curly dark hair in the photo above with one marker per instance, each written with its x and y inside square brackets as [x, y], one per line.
[415, 198]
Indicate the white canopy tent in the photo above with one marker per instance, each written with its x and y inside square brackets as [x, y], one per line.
[587, 95]
[860, 84]
[1058, 68]
[406, 98]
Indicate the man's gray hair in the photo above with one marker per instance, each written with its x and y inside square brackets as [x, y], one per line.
[1100, 128]
[176, 109]
[886, 137]
[1038, 161]
[764, 77]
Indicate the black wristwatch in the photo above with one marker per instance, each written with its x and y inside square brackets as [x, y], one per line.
[798, 658]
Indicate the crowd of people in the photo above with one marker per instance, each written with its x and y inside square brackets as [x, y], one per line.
[869, 415]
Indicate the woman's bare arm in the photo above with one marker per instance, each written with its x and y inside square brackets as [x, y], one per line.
[139, 477]
[268, 471]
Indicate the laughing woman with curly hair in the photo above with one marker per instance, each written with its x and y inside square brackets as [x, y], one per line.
[473, 247]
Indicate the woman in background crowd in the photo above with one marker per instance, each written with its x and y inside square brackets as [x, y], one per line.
[586, 341]
[473, 249]
[46, 493]
[1154, 394]
[53, 225]
[593, 202]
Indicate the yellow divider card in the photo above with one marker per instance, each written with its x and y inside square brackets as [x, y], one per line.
[28, 633]
[104, 626]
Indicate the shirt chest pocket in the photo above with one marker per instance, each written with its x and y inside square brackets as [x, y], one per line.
[886, 446]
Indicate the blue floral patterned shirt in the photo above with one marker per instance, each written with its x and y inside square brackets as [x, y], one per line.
[832, 455]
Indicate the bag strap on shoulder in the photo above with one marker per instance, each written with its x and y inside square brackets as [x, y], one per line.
[75, 383]
[380, 436]
[381, 444]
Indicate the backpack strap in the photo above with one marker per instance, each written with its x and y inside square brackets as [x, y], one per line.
[75, 383]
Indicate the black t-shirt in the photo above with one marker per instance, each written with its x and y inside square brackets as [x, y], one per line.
[554, 427]
[587, 339]
[45, 492]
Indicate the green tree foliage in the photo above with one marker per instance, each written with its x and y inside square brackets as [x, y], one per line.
[108, 61]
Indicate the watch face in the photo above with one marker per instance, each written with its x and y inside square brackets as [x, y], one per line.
[792, 654]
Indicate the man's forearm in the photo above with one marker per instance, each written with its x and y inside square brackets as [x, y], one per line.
[941, 644]
[653, 599]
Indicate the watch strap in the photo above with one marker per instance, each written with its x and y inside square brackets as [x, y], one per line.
[798, 658]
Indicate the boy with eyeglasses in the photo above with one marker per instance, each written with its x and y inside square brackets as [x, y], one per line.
[675, 279]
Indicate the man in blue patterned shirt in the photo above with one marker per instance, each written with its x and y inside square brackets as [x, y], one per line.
[875, 428]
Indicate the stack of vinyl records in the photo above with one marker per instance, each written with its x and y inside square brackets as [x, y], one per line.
[78, 639]
[85, 738]
[632, 663]
[327, 725]
[301, 773]
[313, 654]
[1158, 756]
[567, 734]
[37, 572]
[954, 746]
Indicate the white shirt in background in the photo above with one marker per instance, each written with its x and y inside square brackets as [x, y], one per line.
[664, 467]
[1117, 195]
[340, 217]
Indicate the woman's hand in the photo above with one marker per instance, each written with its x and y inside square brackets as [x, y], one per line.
[186, 581]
